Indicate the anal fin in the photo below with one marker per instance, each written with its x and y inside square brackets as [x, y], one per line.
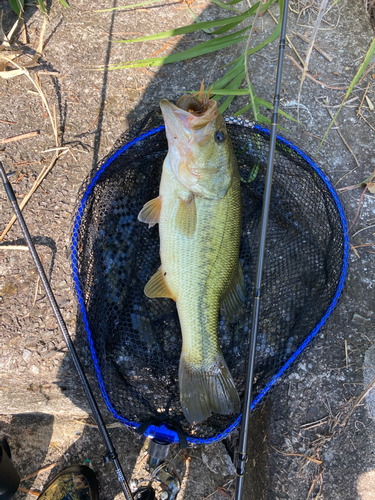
[156, 286]
[186, 216]
[234, 295]
[150, 213]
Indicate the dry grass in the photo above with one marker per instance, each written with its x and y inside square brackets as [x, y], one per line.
[12, 55]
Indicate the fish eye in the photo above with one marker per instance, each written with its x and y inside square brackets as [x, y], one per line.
[219, 136]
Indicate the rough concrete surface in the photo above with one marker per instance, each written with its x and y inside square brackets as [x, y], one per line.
[308, 440]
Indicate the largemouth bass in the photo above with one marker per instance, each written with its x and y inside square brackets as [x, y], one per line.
[199, 214]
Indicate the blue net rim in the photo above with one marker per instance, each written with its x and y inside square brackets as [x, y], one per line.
[163, 432]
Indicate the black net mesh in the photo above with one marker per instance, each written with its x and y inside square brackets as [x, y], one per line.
[137, 340]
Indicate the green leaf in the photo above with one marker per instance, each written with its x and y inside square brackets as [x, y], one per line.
[243, 110]
[65, 4]
[122, 7]
[224, 29]
[228, 27]
[232, 85]
[196, 18]
[268, 105]
[361, 69]
[193, 27]
[230, 74]
[42, 7]
[198, 50]
[224, 6]
[228, 92]
[17, 6]
[264, 119]
[269, 40]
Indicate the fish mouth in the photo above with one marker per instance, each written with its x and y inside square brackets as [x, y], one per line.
[185, 131]
[179, 121]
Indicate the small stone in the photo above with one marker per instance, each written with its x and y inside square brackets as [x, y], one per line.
[8, 290]
[34, 369]
[50, 323]
[26, 355]
[4, 362]
[357, 318]
[6, 319]
[216, 458]
[312, 414]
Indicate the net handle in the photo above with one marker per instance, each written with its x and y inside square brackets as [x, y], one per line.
[241, 453]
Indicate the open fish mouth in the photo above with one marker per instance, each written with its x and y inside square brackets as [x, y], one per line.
[180, 123]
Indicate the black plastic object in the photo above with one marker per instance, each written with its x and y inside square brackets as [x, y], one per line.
[9, 477]
[145, 493]
[76, 482]
[136, 341]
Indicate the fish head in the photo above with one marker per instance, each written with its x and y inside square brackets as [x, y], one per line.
[200, 151]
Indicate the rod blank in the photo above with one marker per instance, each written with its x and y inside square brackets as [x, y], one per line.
[241, 454]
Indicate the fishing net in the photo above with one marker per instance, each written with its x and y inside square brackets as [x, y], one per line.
[136, 341]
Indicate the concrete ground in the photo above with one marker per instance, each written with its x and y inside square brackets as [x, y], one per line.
[314, 437]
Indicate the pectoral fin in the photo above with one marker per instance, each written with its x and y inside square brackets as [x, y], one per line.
[235, 294]
[186, 216]
[156, 287]
[150, 213]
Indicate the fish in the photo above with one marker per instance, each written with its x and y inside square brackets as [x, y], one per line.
[199, 215]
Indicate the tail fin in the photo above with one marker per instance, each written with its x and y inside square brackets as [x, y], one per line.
[206, 389]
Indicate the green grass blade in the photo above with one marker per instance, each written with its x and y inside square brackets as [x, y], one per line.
[361, 69]
[42, 7]
[268, 105]
[264, 119]
[224, 6]
[255, 105]
[17, 6]
[193, 27]
[258, 47]
[65, 4]
[229, 75]
[258, 100]
[232, 85]
[122, 7]
[196, 18]
[224, 29]
[228, 92]
[270, 39]
[198, 50]
[226, 104]
[243, 110]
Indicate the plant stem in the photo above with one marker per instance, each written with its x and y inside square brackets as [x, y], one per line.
[249, 86]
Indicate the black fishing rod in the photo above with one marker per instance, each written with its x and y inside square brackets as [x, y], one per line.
[241, 454]
[111, 452]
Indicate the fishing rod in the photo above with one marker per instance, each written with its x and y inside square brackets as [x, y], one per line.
[111, 455]
[241, 453]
